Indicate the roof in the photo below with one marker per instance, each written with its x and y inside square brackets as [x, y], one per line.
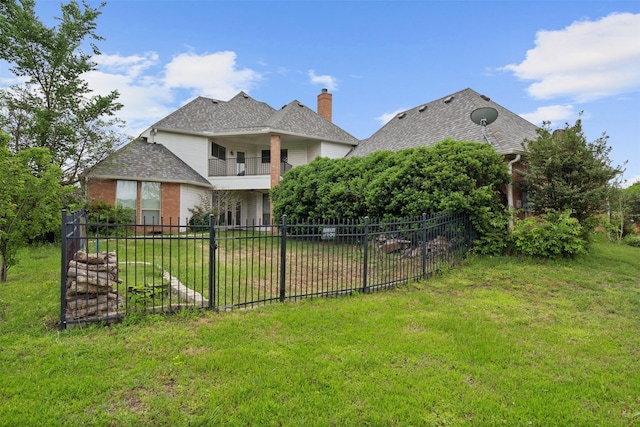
[140, 160]
[296, 118]
[244, 115]
[449, 117]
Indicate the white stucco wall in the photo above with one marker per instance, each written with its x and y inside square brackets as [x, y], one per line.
[297, 156]
[333, 150]
[190, 197]
[193, 150]
[313, 150]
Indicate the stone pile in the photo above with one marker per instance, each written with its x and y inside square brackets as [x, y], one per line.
[435, 247]
[91, 286]
[438, 246]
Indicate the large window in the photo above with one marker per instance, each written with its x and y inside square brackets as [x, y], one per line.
[218, 151]
[126, 194]
[150, 202]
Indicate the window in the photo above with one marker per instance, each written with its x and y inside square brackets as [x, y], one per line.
[266, 155]
[126, 194]
[238, 213]
[266, 209]
[218, 151]
[150, 202]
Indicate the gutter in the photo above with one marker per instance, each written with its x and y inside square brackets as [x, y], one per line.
[255, 131]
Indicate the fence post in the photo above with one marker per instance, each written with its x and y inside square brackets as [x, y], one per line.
[283, 258]
[424, 245]
[212, 261]
[365, 264]
[63, 272]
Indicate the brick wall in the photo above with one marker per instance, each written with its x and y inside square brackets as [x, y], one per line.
[170, 201]
[103, 190]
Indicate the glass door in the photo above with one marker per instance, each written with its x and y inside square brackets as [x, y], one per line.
[240, 161]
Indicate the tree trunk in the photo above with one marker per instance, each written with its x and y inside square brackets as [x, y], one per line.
[3, 269]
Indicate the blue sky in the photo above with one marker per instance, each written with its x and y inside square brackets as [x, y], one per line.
[544, 60]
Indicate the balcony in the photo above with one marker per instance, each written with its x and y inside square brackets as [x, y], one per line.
[251, 166]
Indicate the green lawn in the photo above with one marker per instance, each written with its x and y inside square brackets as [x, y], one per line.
[495, 341]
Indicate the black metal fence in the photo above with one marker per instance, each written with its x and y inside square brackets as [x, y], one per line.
[111, 269]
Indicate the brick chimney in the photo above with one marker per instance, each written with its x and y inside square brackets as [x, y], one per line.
[325, 100]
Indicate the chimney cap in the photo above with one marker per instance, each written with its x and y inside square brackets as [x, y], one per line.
[325, 90]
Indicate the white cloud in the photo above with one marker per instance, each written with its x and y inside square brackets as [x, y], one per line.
[10, 81]
[629, 182]
[327, 81]
[550, 113]
[384, 118]
[145, 96]
[214, 75]
[132, 65]
[585, 61]
[148, 88]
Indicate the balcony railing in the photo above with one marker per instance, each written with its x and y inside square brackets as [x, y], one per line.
[251, 166]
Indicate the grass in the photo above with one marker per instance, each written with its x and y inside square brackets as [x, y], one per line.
[248, 268]
[496, 341]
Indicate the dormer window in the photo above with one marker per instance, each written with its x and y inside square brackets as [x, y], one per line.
[218, 151]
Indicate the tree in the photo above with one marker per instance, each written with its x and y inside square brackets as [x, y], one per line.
[565, 172]
[30, 194]
[455, 176]
[54, 107]
[329, 188]
[632, 201]
[625, 210]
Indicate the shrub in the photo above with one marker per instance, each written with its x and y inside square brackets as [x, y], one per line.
[632, 240]
[454, 176]
[551, 235]
[103, 215]
[199, 220]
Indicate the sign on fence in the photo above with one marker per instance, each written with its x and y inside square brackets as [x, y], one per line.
[328, 233]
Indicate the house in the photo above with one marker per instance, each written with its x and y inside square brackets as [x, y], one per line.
[450, 117]
[236, 149]
[149, 179]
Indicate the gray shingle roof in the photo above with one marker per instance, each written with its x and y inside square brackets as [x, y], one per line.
[296, 118]
[141, 160]
[449, 117]
[243, 114]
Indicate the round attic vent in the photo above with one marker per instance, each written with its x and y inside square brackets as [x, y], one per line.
[401, 115]
[448, 99]
[421, 109]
